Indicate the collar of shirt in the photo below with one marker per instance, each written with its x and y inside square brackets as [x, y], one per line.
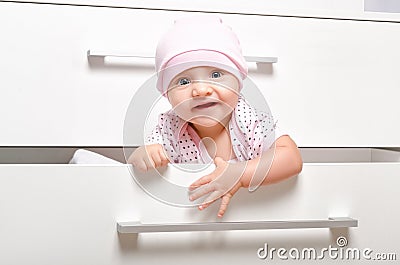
[185, 128]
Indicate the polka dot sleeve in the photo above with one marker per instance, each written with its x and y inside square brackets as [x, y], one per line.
[253, 131]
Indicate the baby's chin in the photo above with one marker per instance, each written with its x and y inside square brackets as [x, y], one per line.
[206, 122]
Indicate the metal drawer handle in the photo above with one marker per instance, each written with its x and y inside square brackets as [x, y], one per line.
[137, 227]
[92, 53]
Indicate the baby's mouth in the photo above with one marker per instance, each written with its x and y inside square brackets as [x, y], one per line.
[206, 105]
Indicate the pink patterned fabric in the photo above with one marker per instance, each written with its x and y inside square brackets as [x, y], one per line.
[251, 133]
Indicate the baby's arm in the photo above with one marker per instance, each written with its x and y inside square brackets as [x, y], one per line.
[148, 156]
[286, 162]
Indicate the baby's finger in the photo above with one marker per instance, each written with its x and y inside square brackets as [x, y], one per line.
[149, 163]
[213, 196]
[200, 192]
[164, 163]
[141, 165]
[200, 182]
[156, 159]
[164, 158]
[163, 154]
[204, 205]
[210, 199]
[224, 205]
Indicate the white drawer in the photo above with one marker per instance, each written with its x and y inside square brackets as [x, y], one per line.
[342, 9]
[67, 214]
[335, 83]
[52, 94]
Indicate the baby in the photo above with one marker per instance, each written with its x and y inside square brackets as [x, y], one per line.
[201, 70]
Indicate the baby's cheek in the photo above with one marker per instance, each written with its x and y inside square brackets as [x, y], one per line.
[232, 100]
[177, 97]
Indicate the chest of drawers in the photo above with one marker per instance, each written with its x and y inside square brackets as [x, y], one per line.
[335, 84]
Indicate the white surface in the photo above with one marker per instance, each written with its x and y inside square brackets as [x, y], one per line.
[53, 95]
[64, 214]
[336, 82]
[335, 85]
[343, 9]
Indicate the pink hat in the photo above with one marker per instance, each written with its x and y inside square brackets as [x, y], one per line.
[201, 40]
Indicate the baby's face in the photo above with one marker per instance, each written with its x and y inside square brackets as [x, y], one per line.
[204, 95]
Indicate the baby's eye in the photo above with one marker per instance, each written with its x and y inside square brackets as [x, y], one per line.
[183, 81]
[216, 74]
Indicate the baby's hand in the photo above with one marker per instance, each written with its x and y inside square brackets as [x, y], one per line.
[223, 183]
[148, 156]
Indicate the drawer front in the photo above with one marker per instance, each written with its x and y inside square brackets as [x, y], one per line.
[344, 9]
[335, 83]
[67, 215]
[52, 95]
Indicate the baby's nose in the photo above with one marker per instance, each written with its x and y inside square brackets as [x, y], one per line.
[201, 89]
